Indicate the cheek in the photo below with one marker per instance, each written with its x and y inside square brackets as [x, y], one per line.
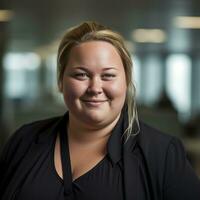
[73, 90]
[118, 90]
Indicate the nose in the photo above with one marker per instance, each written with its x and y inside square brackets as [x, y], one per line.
[95, 86]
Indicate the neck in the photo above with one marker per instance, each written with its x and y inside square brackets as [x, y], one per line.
[82, 134]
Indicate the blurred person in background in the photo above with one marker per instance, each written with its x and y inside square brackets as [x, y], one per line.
[98, 149]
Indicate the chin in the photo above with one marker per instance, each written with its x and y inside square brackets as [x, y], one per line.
[96, 119]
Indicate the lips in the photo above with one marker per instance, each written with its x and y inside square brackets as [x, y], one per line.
[92, 102]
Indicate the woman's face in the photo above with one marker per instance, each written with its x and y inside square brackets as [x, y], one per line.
[94, 83]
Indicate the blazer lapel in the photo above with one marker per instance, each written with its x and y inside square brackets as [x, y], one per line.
[39, 148]
[35, 152]
[131, 170]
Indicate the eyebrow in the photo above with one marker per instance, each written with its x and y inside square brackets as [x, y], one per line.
[104, 69]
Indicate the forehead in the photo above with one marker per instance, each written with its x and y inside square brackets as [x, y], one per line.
[95, 44]
[91, 52]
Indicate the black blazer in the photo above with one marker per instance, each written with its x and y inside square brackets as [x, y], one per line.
[155, 164]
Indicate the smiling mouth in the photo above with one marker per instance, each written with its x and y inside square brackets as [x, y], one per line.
[94, 102]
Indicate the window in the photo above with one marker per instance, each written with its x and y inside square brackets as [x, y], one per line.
[136, 75]
[179, 82]
[21, 75]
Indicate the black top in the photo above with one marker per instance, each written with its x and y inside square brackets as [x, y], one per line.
[103, 181]
[155, 166]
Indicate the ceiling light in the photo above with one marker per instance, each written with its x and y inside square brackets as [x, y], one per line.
[5, 15]
[188, 22]
[149, 36]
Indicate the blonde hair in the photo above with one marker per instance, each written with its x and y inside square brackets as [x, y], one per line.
[92, 31]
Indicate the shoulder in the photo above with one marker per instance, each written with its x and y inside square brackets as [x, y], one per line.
[150, 137]
[167, 164]
[158, 147]
[40, 125]
[31, 129]
[21, 139]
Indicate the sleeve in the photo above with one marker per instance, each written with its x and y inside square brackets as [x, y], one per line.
[180, 181]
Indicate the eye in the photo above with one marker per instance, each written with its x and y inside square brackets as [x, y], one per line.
[81, 75]
[108, 76]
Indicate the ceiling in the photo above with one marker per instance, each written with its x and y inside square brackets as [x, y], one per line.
[36, 24]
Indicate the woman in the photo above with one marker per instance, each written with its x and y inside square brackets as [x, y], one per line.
[98, 149]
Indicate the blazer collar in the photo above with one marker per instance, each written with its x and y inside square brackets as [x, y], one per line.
[115, 142]
[49, 132]
[131, 163]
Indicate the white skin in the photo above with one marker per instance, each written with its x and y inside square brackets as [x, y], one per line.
[94, 85]
[94, 90]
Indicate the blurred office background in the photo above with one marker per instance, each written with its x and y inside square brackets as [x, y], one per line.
[162, 36]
